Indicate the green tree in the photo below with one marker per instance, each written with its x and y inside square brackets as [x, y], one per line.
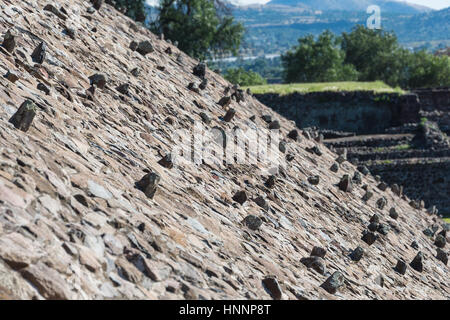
[425, 70]
[202, 28]
[244, 78]
[135, 9]
[317, 61]
[376, 54]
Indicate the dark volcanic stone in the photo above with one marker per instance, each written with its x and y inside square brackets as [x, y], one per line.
[334, 282]
[318, 252]
[145, 47]
[39, 53]
[381, 203]
[272, 286]
[314, 180]
[9, 41]
[346, 183]
[200, 70]
[357, 254]
[253, 222]
[441, 255]
[393, 213]
[440, 241]
[373, 226]
[375, 218]
[270, 182]
[260, 201]
[382, 186]
[148, 184]
[417, 263]
[401, 266]
[316, 263]
[369, 237]
[335, 167]
[229, 115]
[274, 125]
[98, 79]
[383, 229]
[167, 161]
[293, 134]
[240, 197]
[24, 116]
[415, 245]
[225, 101]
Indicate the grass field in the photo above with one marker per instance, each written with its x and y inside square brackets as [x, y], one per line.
[377, 86]
[447, 220]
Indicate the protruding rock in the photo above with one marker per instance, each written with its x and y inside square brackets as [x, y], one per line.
[98, 80]
[316, 263]
[363, 170]
[167, 161]
[133, 45]
[42, 87]
[229, 115]
[415, 245]
[274, 125]
[383, 229]
[375, 218]
[145, 47]
[39, 53]
[393, 213]
[272, 286]
[440, 241]
[293, 134]
[417, 263]
[51, 8]
[97, 4]
[401, 266]
[396, 189]
[148, 184]
[334, 282]
[346, 183]
[12, 76]
[205, 118]
[373, 226]
[270, 182]
[369, 237]
[314, 150]
[381, 203]
[357, 179]
[382, 186]
[341, 159]
[318, 252]
[24, 116]
[441, 255]
[224, 102]
[357, 254]
[240, 197]
[253, 222]
[366, 197]
[9, 41]
[282, 146]
[267, 118]
[260, 201]
[200, 70]
[314, 180]
[334, 167]
[193, 87]
[123, 88]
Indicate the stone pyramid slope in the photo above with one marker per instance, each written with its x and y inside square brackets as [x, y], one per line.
[75, 225]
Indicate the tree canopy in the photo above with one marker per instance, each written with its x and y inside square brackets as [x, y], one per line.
[202, 28]
[364, 55]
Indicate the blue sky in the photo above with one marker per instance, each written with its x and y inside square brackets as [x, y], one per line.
[436, 4]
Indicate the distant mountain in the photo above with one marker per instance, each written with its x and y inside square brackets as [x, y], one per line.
[423, 27]
[352, 5]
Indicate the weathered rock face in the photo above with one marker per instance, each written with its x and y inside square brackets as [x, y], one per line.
[83, 217]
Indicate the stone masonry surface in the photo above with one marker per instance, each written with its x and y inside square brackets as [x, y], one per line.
[91, 206]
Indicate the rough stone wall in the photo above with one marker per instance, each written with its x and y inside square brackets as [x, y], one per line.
[73, 225]
[361, 112]
[414, 176]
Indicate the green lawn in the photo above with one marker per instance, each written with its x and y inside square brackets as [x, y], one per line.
[447, 220]
[377, 86]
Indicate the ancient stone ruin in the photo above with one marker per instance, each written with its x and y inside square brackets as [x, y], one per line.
[94, 205]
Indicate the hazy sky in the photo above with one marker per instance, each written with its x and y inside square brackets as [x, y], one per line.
[436, 4]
